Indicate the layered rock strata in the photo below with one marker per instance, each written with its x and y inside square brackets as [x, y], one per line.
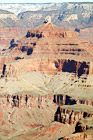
[49, 66]
[80, 136]
[7, 34]
[40, 50]
[72, 116]
[67, 100]
[39, 100]
[24, 101]
[3, 61]
[83, 130]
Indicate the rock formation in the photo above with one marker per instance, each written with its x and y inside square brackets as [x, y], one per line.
[25, 101]
[79, 136]
[47, 19]
[72, 116]
[68, 56]
[50, 66]
[45, 77]
[60, 99]
[29, 101]
[3, 61]
[83, 130]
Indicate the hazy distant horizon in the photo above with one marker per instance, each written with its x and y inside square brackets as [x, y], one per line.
[42, 1]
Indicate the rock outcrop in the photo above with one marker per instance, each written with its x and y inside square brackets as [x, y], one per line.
[67, 100]
[3, 61]
[73, 114]
[25, 101]
[42, 53]
[31, 101]
[83, 130]
[80, 136]
[50, 66]
[43, 71]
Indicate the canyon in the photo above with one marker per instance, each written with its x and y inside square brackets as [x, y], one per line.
[71, 16]
[29, 106]
[46, 85]
[32, 44]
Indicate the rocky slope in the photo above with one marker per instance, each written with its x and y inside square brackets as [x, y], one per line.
[87, 34]
[8, 19]
[73, 113]
[84, 128]
[67, 15]
[72, 14]
[23, 110]
[68, 56]
[41, 72]
[7, 35]
[10, 28]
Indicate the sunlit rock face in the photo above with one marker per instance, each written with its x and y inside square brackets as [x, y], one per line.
[46, 81]
[49, 49]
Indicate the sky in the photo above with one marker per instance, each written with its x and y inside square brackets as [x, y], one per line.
[42, 1]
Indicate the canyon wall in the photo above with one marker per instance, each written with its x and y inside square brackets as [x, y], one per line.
[63, 115]
[32, 101]
[23, 101]
[50, 66]
[83, 130]
[40, 52]
[67, 100]
[3, 61]
[70, 116]
[59, 32]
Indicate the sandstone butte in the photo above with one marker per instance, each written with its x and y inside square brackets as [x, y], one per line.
[46, 86]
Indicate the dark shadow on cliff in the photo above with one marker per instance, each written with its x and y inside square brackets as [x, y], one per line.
[61, 138]
[57, 116]
[29, 52]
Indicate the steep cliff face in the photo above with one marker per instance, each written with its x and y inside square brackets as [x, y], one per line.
[63, 100]
[67, 100]
[72, 116]
[50, 66]
[35, 100]
[45, 69]
[22, 101]
[83, 130]
[18, 107]
[3, 61]
[41, 51]
[73, 66]
[31, 101]
[45, 31]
